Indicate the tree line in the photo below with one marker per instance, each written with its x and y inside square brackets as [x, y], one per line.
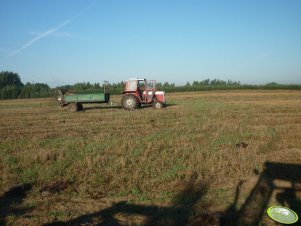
[205, 85]
[11, 87]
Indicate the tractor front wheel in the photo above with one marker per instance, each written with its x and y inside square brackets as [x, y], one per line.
[129, 102]
[157, 105]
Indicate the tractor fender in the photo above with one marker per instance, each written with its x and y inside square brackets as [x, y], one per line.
[160, 96]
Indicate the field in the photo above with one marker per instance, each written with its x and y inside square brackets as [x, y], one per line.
[208, 158]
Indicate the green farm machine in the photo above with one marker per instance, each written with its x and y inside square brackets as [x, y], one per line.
[75, 101]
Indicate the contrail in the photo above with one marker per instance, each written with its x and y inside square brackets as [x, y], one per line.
[50, 31]
[263, 55]
[43, 35]
[258, 57]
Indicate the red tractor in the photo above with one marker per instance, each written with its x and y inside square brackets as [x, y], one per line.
[140, 91]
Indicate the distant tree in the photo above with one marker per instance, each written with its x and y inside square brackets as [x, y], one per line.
[34, 90]
[195, 83]
[218, 82]
[25, 92]
[206, 81]
[8, 78]
[159, 85]
[272, 84]
[166, 85]
[10, 92]
[96, 86]
[233, 83]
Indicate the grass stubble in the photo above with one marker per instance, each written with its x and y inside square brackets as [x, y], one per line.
[84, 162]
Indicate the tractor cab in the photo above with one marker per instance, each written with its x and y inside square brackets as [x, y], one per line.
[143, 88]
[148, 89]
[133, 84]
[141, 91]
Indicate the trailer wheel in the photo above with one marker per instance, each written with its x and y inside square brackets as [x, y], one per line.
[129, 102]
[157, 105]
[73, 107]
[80, 107]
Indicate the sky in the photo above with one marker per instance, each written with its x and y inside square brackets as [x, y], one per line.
[61, 42]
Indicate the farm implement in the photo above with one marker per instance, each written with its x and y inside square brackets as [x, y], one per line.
[75, 101]
[137, 92]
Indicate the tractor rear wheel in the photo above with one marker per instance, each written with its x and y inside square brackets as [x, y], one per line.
[157, 105]
[73, 107]
[129, 102]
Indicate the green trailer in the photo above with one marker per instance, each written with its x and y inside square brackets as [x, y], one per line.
[75, 101]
